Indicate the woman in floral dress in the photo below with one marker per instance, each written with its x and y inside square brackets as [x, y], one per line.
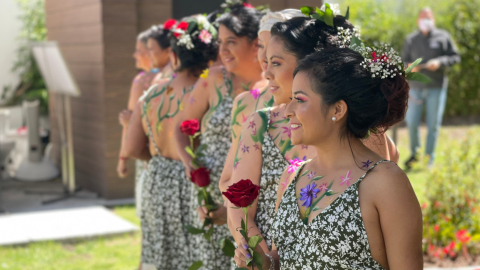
[166, 190]
[211, 103]
[270, 131]
[348, 208]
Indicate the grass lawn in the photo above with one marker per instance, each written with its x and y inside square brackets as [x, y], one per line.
[123, 252]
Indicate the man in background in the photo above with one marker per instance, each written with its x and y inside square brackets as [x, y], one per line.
[436, 48]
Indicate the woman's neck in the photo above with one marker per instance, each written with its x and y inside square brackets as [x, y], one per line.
[334, 152]
[250, 76]
[186, 77]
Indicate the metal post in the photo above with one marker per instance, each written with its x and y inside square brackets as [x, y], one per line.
[71, 162]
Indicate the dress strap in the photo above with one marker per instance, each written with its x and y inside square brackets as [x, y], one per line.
[228, 83]
[371, 168]
[267, 112]
[150, 134]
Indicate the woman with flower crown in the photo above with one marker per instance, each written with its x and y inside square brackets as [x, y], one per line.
[211, 103]
[166, 190]
[270, 131]
[326, 218]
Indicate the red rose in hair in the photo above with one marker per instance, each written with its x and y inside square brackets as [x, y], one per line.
[247, 5]
[243, 193]
[183, 26]
[200, 177]
[169, 24]
[190, 127]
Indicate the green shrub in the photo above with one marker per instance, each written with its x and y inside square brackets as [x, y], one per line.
[453, 201]
[391, 21]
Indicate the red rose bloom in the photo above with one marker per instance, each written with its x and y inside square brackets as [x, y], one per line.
[247, 5]
[190, 127]
[243, 193]
[169, 24]
[200, 177]
[183, 26]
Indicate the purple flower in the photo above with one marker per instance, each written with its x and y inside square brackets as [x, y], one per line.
[275, 114]
[367, 164]
[245, 149]
[251, 124]
[287, 130]
[308, 193]
[311, 174]
[255, 93]
[256, 147]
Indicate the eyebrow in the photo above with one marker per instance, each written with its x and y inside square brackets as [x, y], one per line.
[271, 57]
[300, 92]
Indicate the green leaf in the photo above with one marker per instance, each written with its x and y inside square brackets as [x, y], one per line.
[316, 209]
[207, 222]
[257, 258]
[208, 234]
[254, 241]
[347, 15]
[328, 15]
[196, 265]
[242, 232]
[306, 10]
[305, 173]
[414, 64]
[211, 207]
[418, 77]
[193, 230]
[356, 41]
[200, 197]
[316, 17]
[242, 224]
[191, 26]
[227, 247]
[243, 268]
[318, 177]
[189, 151]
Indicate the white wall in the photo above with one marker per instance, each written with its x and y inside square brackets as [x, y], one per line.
[9, 30]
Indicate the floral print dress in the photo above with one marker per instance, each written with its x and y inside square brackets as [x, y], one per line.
[165, 212]
[335, 239]
[217, 139]
[273, 166]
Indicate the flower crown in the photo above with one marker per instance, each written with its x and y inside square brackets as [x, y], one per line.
[325, 14]
[193, 27]
[384, 62]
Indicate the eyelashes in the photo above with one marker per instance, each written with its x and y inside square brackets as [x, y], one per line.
[300, 100]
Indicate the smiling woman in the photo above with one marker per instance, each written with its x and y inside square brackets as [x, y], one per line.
[211, 102]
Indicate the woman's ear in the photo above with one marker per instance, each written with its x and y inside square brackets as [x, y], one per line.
[340, 110]
[174, 61]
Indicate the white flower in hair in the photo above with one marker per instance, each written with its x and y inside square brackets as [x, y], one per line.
[205, 36]
[186, 41]
[334, 7]
[203, 22]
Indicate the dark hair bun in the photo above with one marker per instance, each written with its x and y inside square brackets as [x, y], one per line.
[303, 36]
[242, 21]
[160, 35]
[374, 104]
[195, 59]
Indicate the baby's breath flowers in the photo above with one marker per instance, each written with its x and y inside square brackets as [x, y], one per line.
[383, 62]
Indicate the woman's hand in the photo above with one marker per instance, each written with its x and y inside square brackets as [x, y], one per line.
[122, 169]
[124, 117]
[219, 216]
[242, 254]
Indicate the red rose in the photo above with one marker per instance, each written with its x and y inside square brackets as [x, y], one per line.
[243, 193]
[190, 127]
[169, 24]
[247, 5]
[200, 177]
[183, 26]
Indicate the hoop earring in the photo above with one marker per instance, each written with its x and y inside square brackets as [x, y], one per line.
[334, 119]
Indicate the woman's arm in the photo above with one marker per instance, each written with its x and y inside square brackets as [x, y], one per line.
[136, 142]
[400, 218]
[247, 164]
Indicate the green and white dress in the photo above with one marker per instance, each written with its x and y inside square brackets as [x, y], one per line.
[217, 139]
[335, 239]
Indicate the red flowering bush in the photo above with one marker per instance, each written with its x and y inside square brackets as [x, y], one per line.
[451, 215]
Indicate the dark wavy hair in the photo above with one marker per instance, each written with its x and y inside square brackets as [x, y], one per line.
[160, 35]
[242, 21]
[143, 36]
[374, 104]
[195, 60]
[303, 36]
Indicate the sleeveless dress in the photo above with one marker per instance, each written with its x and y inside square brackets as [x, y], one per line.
[217, 138]
[273, 165]
[165, 212]
[335, 239]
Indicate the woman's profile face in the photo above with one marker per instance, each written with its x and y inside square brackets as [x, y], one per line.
[263, 40]
[142, 59]
[158, 56]
[279, 70]
[237, 53]
[309, 121]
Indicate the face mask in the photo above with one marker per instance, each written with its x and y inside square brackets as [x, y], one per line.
[425, 25]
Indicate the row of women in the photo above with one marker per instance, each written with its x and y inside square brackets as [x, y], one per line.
[283, 101]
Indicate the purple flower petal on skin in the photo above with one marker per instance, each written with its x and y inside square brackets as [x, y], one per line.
[255, 93]
[308, 193]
